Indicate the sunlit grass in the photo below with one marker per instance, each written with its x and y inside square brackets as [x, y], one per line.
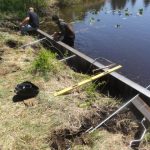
[28, 127]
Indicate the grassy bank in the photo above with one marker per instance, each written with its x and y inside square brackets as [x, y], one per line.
[48, 122]
[22, 6]
[13, 11]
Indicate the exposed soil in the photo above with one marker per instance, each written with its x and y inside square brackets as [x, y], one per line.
[121, 123]
[13, 43]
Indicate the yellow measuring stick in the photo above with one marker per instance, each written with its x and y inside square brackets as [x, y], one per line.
[87, 80]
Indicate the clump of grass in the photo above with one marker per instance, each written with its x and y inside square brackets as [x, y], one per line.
[91, 94]
[147, 137]
[44, 62]
[90, 90]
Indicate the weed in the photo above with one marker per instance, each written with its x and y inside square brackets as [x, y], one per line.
[91, 95]
[44, 63]
[147, 137]
[92, 88]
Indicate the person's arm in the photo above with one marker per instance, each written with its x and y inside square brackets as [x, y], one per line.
[70, 29]
[25, 21]
[56, 35]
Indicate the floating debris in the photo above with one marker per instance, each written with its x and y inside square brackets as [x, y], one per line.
[127, 14]
[119, 12]
[141, 11]
[126, 9]
[117, 26]
[98, 20]
[92, 20]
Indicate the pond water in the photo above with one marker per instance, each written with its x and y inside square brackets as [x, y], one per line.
[118, 30]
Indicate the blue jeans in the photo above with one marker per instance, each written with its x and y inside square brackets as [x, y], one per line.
[26, 28]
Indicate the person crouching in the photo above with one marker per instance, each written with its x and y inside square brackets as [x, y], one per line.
[30, 23]
[66, 33]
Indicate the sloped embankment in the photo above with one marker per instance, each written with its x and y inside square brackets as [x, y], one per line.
[52, 122]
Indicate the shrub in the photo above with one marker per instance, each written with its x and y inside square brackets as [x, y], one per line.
[18, 6]
[45, 62]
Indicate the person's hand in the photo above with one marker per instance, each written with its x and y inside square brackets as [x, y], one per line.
[20, 24]
[54, 34]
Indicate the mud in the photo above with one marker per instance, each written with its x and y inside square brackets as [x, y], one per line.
[13, 43]
[121, 123]
[63, 139]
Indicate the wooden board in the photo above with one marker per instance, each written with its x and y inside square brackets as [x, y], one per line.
[142, 107]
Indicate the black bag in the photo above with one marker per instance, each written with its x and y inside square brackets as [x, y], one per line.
[26, 90]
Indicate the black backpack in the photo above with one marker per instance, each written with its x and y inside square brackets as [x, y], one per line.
[26, 90]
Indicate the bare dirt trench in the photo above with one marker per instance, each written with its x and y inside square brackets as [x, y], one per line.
[122, 123]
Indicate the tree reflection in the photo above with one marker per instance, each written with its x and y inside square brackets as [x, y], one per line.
[147, 3]
[118, 4]
[133, 2]
[79, 11]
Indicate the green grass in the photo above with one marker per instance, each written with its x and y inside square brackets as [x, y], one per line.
[17, 5]
[45, 62]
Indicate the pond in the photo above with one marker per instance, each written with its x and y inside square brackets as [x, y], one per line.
[118, 30]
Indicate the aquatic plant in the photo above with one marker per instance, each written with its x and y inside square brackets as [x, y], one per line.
[141, 11]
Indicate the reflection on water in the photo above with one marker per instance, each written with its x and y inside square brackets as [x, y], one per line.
[118, 4]
[147, 3]
[118, 30]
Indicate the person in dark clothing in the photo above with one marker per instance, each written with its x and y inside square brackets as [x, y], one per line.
[30, 23]
[66, 32]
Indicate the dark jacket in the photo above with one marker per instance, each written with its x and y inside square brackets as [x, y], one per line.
[33, 19]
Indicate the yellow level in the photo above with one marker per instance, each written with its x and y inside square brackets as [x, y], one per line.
[87, 80]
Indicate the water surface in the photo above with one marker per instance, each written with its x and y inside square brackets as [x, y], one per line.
[118, 30]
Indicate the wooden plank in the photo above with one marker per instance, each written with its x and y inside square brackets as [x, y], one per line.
[142, 107]
[140, 89]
